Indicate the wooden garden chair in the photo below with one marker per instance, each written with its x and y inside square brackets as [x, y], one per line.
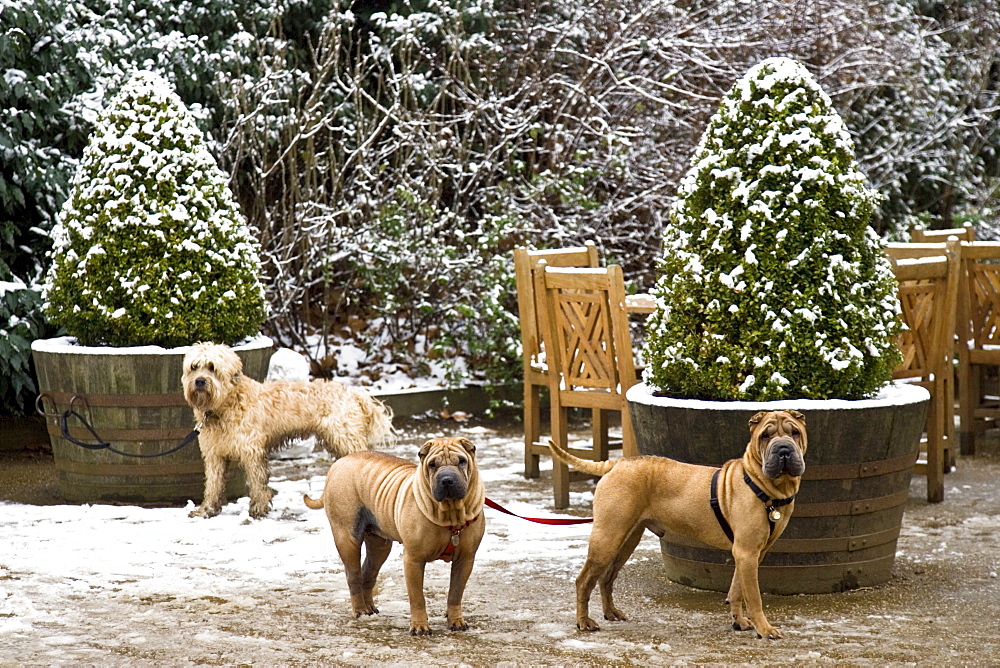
[979, 334]
[929, 278]
[589, 349]
[921, 235]
[533, 353]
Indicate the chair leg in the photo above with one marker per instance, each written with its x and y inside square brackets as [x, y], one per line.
[532, 428]
[629, 446]
[948, 460]
[599, 434]
[966, 409]
[560, 484]
[935, 450]
[560, 472]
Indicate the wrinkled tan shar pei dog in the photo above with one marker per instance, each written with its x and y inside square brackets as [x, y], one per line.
[743, 507]
[434, 508]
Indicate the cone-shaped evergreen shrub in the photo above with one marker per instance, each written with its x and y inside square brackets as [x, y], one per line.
[773, 285]
[151, 247]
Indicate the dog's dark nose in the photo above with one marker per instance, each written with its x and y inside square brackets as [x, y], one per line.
[200, 383]
[784, 451]
[448, 485]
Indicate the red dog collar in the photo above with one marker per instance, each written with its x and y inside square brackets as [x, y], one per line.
[455, 531]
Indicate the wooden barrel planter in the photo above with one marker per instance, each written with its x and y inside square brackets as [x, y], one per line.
[849, 509]
[133, 399]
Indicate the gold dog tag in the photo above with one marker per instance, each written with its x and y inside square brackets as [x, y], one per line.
[775, 514]
[454, 539]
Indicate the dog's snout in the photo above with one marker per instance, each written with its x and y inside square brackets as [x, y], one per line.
[200, 383]
[783, 457]
[448, 484]
[784, 449]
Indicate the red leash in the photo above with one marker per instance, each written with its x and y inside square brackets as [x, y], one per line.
[540, 520]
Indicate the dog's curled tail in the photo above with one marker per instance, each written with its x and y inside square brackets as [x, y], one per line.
[315, 504]
[582, 465]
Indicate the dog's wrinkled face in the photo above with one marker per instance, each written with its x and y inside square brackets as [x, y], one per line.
[448, 464]
[210, 370]
[780, 439]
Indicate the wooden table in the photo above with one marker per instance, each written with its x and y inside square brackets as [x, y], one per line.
[640, 303]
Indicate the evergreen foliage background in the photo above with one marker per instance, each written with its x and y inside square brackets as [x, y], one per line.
[429, 138]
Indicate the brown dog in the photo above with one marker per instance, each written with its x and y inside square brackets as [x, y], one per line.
[242, 420]
[660, 494]
[435, 509]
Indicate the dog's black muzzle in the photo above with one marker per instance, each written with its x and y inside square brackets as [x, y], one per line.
[449, 484]
[783, 457]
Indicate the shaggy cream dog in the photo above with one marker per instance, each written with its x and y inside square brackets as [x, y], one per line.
[240, 419]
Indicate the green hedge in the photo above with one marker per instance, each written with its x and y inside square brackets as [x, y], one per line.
[151, 248]
[774, 285]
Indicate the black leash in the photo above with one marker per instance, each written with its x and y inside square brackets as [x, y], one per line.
[101, 444]
[770, 505]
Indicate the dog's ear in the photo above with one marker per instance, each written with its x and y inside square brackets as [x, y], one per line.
[425, 448]
[798, 416]
[469, 446]
[755, 420]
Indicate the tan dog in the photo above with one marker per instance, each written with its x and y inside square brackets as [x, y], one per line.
[241, 420]
[435, 509]
[660, 494]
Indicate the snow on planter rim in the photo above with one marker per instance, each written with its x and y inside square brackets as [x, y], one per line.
[67, 345]
[891, 394]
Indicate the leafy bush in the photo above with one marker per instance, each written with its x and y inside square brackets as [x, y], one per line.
[151, 248]
[774, 286]
[43, 131]
[20, 324]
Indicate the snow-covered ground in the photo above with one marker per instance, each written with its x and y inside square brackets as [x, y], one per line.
[123, 585]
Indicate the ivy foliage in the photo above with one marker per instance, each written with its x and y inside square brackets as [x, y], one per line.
[773, 284]
[151, 248]
[20, 323]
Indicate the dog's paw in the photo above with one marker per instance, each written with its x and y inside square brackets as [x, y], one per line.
[420, 629]
[615, 615]
[259, 512]
[742, 624]
[458, 625]
[770, 633]
[367, 611]
[587, 624]
[202, 511]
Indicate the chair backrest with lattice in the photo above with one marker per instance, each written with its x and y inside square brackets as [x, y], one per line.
[589, 344]
[981, 260]
[525, 264]
[965, 233]
[928, 276]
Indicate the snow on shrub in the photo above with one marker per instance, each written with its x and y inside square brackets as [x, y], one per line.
[151, 248]
[773, 285]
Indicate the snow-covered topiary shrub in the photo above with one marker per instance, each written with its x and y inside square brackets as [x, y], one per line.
[151, 248]
[773, 285]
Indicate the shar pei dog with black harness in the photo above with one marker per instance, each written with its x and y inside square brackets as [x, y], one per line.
[742, 506]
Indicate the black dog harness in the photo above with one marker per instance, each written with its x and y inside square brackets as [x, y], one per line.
[771, 505]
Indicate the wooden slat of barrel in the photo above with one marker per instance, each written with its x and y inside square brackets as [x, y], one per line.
[136, 403]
